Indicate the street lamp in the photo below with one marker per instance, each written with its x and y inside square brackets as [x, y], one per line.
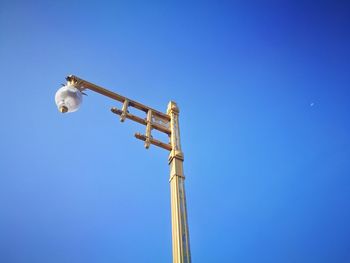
[68, 99]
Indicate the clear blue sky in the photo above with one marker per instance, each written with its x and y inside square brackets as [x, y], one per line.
[263, 89]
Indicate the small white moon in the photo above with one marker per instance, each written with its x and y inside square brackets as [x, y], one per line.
[312, 104]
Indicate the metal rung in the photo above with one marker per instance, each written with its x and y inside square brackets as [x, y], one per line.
[154, 141]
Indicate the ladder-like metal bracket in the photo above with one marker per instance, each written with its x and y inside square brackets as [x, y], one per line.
[152, 121]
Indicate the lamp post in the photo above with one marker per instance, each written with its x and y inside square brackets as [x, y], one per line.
[68, 99]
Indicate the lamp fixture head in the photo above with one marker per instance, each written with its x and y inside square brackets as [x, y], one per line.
[68, 98]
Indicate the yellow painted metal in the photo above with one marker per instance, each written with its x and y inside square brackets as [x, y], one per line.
[124, 110]
[153, 141]
[148, 129]
[180, 233]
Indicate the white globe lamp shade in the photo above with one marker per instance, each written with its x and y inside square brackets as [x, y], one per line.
[68, 99]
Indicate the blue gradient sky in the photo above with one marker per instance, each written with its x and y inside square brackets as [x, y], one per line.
[263, 88]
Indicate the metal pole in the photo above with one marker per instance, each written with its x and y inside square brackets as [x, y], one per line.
[180, 234]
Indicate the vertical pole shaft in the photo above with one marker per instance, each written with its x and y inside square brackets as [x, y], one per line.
[180, 234]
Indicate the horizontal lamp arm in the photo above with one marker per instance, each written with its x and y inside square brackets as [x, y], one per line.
[88, 85]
